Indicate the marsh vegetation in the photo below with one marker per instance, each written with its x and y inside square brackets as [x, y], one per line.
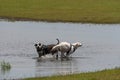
[5, 66]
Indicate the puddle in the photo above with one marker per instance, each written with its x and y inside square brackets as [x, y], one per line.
[100, 48]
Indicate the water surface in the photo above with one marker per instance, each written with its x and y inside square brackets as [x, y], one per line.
[100, 48]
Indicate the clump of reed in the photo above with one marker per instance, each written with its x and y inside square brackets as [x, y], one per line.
[5, 66]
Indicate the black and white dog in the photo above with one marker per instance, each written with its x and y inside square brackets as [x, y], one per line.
[43, 50]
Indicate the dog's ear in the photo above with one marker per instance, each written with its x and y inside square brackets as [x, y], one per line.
[35, 45]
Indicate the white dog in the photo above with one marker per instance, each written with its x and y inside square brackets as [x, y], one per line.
[65, 47]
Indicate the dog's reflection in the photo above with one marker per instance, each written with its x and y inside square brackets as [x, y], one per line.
[48, 67]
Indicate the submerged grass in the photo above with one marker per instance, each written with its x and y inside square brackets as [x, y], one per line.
[5, 66]
[113, 74]
[93, 11]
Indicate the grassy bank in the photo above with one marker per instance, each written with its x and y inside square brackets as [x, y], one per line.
[93, 11]
[101, 75]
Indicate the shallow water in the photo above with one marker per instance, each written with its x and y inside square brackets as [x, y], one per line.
[100, 48]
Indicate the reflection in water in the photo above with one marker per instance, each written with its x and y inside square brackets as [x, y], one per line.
[55, 67]
[4, 71]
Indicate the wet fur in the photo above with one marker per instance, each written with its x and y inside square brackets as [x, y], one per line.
[43, 50]
[65, 47]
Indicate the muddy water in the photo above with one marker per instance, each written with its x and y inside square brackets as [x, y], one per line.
[100, 48]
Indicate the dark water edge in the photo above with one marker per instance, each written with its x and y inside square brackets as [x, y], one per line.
[16, 19]
[100, 48]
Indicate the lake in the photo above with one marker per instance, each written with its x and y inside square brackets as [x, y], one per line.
[100, 50]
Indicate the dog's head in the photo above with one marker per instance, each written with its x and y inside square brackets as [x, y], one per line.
[38, 46]
[77, 44]
[39, 49]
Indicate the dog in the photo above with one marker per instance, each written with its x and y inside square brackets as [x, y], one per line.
[43, 50]
[65, 47]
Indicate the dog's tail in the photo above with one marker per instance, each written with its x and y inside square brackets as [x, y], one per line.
[58, 41]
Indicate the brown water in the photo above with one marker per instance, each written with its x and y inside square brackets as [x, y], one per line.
[100, 48]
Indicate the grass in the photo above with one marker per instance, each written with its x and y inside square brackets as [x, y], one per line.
[5, 66]
[113, 74]
[86, 11]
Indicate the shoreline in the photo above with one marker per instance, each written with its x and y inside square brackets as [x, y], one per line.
[107, 74]
[13, 19]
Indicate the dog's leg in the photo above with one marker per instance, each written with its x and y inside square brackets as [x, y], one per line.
[67, 54]
[57, 56]
[62, 55]
[39, 55]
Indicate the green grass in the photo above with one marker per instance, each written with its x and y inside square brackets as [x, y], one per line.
[5, 66]
[92, 11]
[100, 75]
